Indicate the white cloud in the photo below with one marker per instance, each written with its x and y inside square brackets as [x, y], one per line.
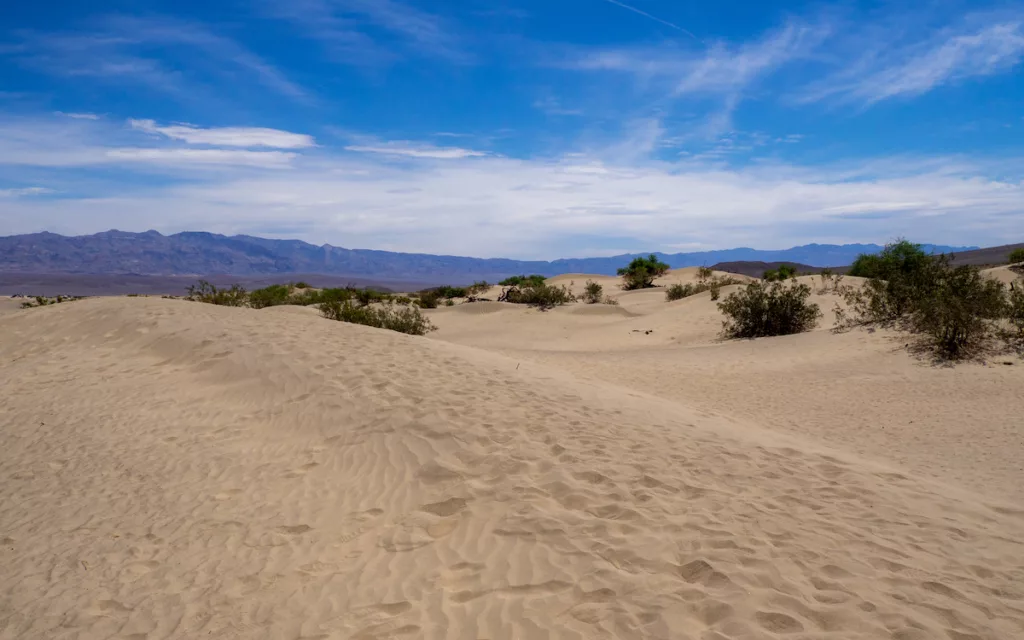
[413, 150]
[78, 116]
[24, 191]
[228, 136]
[266, 159]
[889, 71]
[493, 206]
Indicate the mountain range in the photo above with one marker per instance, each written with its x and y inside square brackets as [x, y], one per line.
[201, 253]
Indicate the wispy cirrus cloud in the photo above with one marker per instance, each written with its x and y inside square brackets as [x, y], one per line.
[227, 136]
[24, 191]
[232, 157]
[721, 71]
[356, 32]
[892, 70]
[414, 150]
[149, 52]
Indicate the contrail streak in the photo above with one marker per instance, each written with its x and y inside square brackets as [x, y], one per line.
[655, 18]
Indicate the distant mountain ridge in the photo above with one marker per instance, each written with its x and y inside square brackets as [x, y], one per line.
[201, 253]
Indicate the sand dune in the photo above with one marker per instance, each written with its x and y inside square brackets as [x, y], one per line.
[178, 470]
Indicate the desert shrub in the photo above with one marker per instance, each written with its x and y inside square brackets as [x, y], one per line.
[783, 273]
[1015, 256]
[204, 291]
[44, 301]
[301, 284]
[959, 312]
[956, 311]
[543, 296]
[641, 272]
[403, 300]
[387, 316]
[272, 296]
[1015, 314]
[704, 273]
[897, 257]
[679, 291]
[523, 281]
[593, 292]
[715, 287]
[450, 292]
[428, 299]
[768, 309]
[477, 288]
[367, 296]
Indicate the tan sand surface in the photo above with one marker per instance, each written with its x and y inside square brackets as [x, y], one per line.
[178, 470]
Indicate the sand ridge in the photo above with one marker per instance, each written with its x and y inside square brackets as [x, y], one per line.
[180, 470]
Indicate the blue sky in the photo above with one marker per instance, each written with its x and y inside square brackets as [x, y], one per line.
[522, 129]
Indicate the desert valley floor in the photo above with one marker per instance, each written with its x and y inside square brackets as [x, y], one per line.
[171, 469]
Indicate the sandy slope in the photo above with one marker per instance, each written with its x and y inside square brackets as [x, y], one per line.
[858, 391]
[172, 469]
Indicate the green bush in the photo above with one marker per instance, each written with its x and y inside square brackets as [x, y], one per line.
[402, 319]
[301, 284]
[959, 312]
[1017, 255]
[272, 296]
[543, 296]
[593, 292]
[204, 291]
[477, 288]
[679, 291]
[899, 257]
[956, 311]
[523, 281]
[449, 292]
[1015, 313]
[44, 301]
[428, 299]
[768, 309]
[704, 274]
[715, 287]
[641, 272]
[783, 273]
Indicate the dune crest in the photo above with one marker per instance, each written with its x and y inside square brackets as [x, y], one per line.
[176, 470]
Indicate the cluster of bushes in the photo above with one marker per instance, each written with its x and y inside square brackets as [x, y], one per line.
[783, 273]
[534, 280]
[1016, 256]
[706, 281]
[431, 298]
[404, 319]
[768, 309]
[204, 291]
[955, 310]
[543, 296]
[641, 272]
[45, 301]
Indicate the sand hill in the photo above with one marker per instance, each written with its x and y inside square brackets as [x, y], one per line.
[179, 470]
